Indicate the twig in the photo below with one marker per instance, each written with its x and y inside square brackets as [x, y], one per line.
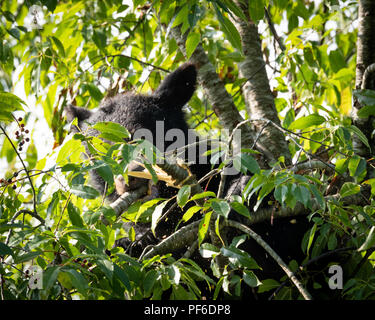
[25, 211]
[273, 30]
[272, 253]
[26, 171]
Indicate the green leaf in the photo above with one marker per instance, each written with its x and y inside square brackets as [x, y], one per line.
[356, 166]
[106, 267]
[9, 102]
[318, 196]
[105, 171]
[121, 62]
[203, 227]
[280, 193]
[302, 194]
[94, 91]
[251, 279]
[208, 250]
[349, 189]
[156, 215]
[267, 285]
[366, 111]
[369, 242]
[221, 207]
[131, 234]
[85, 192]
[120, 274]
[149, 281]
[50, 277]
[192, 42]
[229, 29]
[183, 195]
[332, 242]
[14, 32]
[59, 45]
[239, 257]
[27, 256]
[240, 208]
[5, 250]
[234, 8]
[201, 195]
[112, 129]
[256, 10]
[181, 16]
[74, 216]
[190, 212]
[100, 39]
[77, 279]
[71, 150]
[360, 135]
[341, 165]
[311, 237]
[306, 122]
[244, 162]
[365, 97]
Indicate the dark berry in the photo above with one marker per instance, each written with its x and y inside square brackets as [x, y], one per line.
[19, 119]
[22, 125]
[9, 180]
[27, 131]
[14, 187]
[20, 149]
[84, 261]
[15, 174]
[27, 139]
[17, 133]
[22, 129]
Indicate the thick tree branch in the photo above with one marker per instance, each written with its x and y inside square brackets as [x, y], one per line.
[257, 92]
[365, 57]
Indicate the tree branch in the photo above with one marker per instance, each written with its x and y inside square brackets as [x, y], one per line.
[272, 253]
[257, 92]
[365, 57]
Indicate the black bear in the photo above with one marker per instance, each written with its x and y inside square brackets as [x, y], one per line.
[153, 117]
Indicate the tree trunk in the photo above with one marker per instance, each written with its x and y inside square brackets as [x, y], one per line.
[365, 57]
[257, 92]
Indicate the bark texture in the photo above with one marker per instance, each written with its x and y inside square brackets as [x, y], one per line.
[256, 91]
[365, 57]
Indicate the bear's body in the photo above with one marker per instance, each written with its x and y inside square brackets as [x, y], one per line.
[156, 114]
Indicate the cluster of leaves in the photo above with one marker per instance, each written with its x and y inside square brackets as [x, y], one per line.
[53, 219]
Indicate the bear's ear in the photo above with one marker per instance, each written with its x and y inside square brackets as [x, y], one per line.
[178, 87]
[76, 112]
